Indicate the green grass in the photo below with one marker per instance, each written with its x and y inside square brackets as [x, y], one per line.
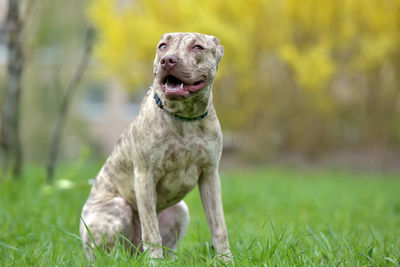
[275, 217]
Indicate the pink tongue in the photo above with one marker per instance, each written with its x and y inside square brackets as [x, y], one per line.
[176, 92]
[174, 86]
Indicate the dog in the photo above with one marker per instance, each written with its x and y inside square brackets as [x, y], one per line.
[174, 144]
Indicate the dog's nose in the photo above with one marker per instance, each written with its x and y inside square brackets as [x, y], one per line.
[168, 62]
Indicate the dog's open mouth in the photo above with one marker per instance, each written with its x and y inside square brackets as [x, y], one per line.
[175, 88]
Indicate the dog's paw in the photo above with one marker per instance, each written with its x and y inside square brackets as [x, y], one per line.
[156, 253]
[225, 257]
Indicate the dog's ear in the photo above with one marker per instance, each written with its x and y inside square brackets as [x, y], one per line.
[219, 49]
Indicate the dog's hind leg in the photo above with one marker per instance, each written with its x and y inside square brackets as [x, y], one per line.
[107, 221]
[173, 223]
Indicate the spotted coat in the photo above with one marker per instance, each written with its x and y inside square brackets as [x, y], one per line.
[159, 159]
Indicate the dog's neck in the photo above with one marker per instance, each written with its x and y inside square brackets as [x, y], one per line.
[192, 107]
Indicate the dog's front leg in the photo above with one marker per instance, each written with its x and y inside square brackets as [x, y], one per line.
[146, 199]
[210, 192]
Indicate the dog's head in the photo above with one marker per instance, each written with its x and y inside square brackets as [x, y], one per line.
[186, 63]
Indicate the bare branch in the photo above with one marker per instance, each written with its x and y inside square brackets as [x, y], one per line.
[66, 103]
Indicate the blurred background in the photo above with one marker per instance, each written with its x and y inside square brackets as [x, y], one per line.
[301, 82]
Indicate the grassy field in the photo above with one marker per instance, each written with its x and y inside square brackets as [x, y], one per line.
[275, 217]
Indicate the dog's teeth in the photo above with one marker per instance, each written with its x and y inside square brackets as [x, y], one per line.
[181, 86]
[165, 85]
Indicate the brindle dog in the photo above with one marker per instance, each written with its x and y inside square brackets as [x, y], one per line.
[173, 144]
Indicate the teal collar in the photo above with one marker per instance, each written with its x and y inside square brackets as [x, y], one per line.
[176, 116]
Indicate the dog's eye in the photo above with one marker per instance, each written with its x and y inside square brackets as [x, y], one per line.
[198, 47]
[162, 46]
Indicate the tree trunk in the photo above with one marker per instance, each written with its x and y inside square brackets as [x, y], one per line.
[10, 145]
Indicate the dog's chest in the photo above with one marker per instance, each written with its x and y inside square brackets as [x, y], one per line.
[178, 163]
